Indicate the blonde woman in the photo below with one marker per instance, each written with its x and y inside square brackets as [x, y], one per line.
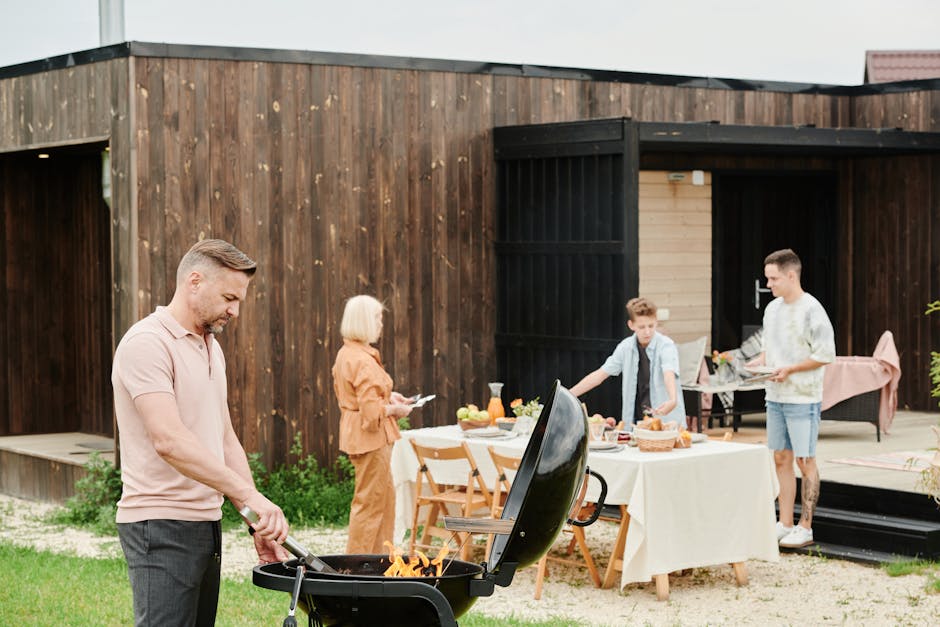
[368, 424]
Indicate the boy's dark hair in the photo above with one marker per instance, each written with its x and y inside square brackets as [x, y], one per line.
[786, 260]
[640, 307]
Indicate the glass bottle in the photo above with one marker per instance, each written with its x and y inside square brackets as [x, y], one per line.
[495, 408]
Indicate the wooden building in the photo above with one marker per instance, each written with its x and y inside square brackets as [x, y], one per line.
[416, 181]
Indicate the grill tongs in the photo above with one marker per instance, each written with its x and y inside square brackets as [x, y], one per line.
[296, 548]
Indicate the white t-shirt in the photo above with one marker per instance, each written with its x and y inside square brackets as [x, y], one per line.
[794, 332]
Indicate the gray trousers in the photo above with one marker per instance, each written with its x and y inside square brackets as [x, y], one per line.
[174, 567]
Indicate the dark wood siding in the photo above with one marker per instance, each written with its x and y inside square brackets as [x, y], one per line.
[896, 242]
[896, 264]
[342, 180]
[55, 308]
[68, 279]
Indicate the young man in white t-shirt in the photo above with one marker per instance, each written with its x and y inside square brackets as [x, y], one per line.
[797, 342]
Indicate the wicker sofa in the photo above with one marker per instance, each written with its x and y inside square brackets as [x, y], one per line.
[859, 408]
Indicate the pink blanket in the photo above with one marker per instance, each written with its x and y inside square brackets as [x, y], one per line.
[849, 376]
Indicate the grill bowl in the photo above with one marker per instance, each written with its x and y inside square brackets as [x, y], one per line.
[375, 601]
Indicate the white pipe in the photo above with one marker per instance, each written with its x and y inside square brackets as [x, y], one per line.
[110, 21]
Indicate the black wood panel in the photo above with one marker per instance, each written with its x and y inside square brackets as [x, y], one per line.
[895, 265]
[566, 257]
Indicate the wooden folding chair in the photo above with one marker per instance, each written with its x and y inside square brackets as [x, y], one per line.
[578, 539]
[467, 499]
[504, 465]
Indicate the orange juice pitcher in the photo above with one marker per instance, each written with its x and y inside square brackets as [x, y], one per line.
[495, 408]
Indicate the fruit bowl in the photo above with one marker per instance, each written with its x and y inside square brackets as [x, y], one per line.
[473, 424]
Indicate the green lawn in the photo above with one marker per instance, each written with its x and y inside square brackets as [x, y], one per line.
[38, 587]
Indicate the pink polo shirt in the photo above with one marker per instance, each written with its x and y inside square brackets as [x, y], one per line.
[158, 355]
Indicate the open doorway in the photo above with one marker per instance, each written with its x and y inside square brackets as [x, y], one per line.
[55, 293]
[754, 215]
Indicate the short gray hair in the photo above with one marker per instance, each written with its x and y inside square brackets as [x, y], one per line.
[214, 254]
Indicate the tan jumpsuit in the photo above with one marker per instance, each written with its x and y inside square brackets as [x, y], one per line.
[366, 435]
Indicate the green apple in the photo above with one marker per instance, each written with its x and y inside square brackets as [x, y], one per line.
[483, 415]
[463, 413]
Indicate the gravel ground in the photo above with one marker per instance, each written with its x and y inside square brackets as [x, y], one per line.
[797, 590]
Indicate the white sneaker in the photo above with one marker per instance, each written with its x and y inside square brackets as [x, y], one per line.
[782, 531]
[798, 536]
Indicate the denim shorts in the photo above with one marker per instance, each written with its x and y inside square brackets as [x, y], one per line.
[793, 426]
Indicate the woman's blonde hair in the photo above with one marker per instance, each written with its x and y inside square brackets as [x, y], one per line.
[359, 319]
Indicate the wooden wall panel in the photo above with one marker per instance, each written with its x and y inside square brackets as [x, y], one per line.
[911, 111]
[676, 251]
[58, 106]
[36, 478]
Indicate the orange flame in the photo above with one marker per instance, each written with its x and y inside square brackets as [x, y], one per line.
[418, 565]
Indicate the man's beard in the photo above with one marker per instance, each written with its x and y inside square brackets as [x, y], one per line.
[213, 327]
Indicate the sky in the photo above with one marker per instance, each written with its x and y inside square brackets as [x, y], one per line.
[805, 41]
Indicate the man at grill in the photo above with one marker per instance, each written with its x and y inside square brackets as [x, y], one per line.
[179, 452]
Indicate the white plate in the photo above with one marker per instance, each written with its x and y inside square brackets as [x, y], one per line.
[760, 369]
[601, 445]
[484, 431]
[757, 378]
[489, 433]
[699, 437]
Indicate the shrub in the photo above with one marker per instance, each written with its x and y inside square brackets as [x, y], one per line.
[308, 494]
[96, 495]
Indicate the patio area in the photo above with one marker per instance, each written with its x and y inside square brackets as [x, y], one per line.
[63, 454]
[910, 432]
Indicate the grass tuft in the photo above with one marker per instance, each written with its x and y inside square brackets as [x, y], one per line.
[903, 567]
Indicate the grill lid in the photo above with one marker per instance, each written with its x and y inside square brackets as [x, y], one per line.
[547, 482]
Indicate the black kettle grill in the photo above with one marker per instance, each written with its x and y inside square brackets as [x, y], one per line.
[543, 494]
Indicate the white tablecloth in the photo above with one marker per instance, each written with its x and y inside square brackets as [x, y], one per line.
[709, 504]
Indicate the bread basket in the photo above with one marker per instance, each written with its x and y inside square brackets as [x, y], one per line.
[655, 441]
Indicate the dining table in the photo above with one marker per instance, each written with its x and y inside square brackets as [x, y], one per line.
[709, 504]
